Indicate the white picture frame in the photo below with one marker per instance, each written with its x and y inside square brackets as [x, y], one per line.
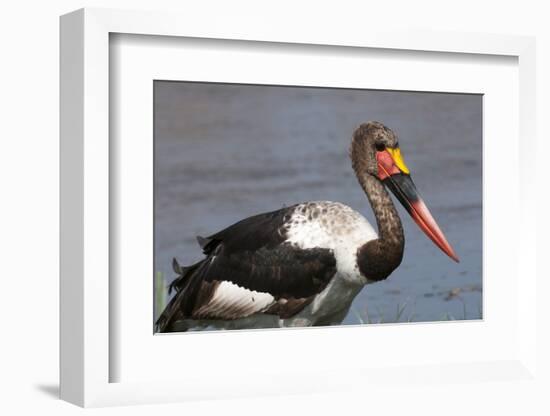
[86, 302]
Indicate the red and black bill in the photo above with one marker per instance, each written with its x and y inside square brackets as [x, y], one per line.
[402, 186]
[395, 175]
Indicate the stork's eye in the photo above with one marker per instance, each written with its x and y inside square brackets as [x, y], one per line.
[380, 146]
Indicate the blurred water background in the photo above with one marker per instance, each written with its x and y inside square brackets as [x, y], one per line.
[224, 152]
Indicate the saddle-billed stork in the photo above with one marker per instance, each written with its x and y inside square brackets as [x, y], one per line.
[304, 264]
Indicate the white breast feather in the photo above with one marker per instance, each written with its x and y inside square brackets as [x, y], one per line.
[335, 226]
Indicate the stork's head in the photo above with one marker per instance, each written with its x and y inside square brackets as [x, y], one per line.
[375, 151]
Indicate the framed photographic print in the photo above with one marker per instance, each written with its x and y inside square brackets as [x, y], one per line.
[261, 197]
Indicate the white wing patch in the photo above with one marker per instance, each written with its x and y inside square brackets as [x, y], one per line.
[231, 301]
[335, 226]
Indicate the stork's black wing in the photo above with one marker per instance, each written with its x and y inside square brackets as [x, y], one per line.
[249, 268]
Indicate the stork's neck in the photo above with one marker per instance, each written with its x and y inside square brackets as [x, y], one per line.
[378, 258]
